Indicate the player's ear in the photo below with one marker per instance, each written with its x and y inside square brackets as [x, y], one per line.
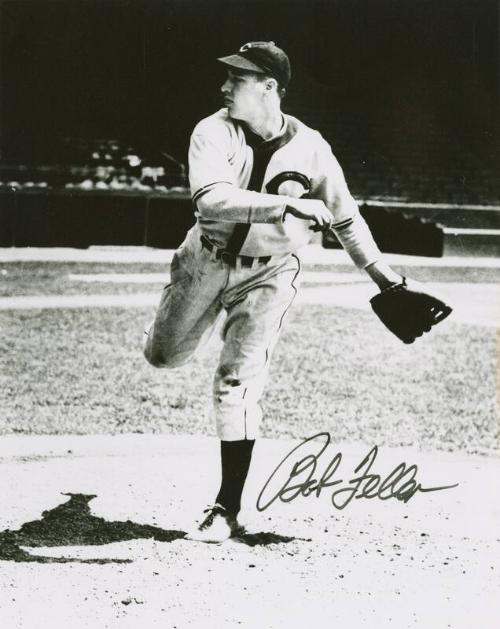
[271, 84]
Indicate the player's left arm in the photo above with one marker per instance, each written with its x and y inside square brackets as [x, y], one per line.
[350, 227]
[403, 306]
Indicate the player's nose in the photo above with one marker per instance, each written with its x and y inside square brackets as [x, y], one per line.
[225, 87]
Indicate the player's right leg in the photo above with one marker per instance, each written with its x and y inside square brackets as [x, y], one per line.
[189, 306]
[257, 303]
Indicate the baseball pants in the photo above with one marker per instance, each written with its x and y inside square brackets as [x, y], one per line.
[255, 301]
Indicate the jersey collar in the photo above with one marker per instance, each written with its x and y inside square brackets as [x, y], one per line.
[257, 143]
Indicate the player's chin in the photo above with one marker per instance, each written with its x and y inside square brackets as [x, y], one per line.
[234, 112]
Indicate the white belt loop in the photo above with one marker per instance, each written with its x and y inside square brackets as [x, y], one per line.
[237, 263]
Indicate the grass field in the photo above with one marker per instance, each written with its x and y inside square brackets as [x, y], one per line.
[82, 371]
[428, 563]
[59, 278]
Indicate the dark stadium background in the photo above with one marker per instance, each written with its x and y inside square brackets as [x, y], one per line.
[406, 91]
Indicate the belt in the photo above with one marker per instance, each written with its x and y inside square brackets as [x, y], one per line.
[231, 258]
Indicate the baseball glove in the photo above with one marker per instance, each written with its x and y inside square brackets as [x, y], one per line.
[408, 313]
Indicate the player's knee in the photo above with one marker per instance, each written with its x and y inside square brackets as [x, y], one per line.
[153, 358]
[158, 357]
[157, 354]
[226, 385]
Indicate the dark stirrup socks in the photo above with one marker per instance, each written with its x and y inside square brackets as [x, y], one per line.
[235, 459]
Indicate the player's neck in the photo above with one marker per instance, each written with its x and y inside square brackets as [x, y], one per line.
[268, 124]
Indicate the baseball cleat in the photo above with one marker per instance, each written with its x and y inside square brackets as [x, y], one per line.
[217, 527]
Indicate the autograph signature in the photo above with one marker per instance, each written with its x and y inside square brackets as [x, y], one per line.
[401, 483]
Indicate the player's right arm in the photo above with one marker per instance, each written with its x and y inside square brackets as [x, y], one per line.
[311, 210]
[217, 196]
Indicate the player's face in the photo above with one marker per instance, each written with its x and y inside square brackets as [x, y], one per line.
[243, 94]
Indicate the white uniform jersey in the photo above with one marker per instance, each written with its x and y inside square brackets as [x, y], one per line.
[237, 177]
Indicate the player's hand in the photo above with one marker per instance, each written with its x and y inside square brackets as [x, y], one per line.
[312, 210]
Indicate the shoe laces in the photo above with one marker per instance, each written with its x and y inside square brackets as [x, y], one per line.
[212, 511]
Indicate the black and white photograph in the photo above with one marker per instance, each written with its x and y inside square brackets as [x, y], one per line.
[249, 314]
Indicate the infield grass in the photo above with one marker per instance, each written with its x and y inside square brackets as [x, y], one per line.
[60, 278]
[335, 369]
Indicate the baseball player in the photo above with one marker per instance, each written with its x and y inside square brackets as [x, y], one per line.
[260, 181]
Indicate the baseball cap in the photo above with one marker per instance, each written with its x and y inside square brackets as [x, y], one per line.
[264, 57]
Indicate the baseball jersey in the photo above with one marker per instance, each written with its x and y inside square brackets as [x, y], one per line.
[236, 177]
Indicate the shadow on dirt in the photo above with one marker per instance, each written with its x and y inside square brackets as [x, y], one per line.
[264, 539]
[72, 524]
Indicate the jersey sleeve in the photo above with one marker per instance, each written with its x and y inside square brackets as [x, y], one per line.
[208, 163]
[329, 185]
[214, 189]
